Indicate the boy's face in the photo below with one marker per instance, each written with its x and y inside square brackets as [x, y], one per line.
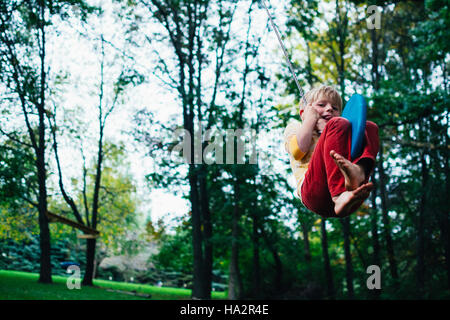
[325, 108]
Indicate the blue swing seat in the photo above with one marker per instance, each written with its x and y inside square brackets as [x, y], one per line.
[355, 111]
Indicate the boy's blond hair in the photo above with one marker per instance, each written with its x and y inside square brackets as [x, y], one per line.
[315, 94]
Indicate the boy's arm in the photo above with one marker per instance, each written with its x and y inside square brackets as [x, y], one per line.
[305, 133]
[298, 137]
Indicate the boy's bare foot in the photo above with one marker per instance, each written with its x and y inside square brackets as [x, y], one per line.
[353, 173]
[349, 201]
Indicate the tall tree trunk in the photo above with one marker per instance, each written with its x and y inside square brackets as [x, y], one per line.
[278, 269]
[326, 261]
[46, 267]
[186, 23]
[203, 175]
[374, 216]
[374, 228]
[421, 229]
[307, 249]
[90, 258]
[234, 278]
[91, 243]
[198, 290]
[375, 71]
[348, 257]
[342, 34]
[235, 282]
[384, 211]
[199, 279]
[45, 271]
[443, 213]
[278, 278]
[256, 264]
[305, 232]
[207, 232]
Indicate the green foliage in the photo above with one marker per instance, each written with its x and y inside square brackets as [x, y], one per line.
[402, 69]
[175, 252]
[17, 175]
[24, 255]
[17, 184]
[118, 204]
[432, 34]
[18, 222]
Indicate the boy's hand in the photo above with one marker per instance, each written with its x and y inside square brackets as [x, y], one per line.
[311, 113]
[320, 125]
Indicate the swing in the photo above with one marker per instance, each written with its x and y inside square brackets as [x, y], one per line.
[355, 111]
[89, 233]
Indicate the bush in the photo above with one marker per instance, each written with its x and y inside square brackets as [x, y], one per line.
[25, 255]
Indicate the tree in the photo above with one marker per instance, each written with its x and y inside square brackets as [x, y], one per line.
[110, 95]
[23, 26]
[17, 189]
[326, 258]
[198, 45]
[117, 214]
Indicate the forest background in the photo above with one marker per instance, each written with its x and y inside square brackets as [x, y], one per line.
[94, 94]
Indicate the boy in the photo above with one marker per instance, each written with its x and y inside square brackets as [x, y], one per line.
[328, 182]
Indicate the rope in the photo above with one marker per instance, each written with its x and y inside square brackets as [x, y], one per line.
[284, 51]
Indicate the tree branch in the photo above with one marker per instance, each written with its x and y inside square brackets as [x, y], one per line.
[66, 197]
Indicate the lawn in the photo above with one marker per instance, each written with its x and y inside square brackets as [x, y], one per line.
[17, 285]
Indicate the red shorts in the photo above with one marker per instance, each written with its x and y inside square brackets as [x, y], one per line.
[323, 179]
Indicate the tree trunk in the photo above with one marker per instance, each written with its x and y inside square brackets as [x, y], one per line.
[45, 272]
[90, 259]
[198, 290]
[91, 243]
[348, 257]
[207, 233]
[375, 72]
[385, 218]
[278, 279]
[278, 269]
[256, 265]
[45, 275]
[234, 278]
[441, 213]
[375, 239]
[326, 261]
[421, 229]
[305, 232]
[444, 215]
[446, 222]
[374, 216]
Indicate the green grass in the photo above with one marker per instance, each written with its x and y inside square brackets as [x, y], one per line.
[17, 285]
